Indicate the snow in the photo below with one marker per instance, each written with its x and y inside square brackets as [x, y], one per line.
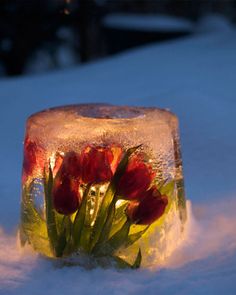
[195, 78]
[147, 22]
[213, 23]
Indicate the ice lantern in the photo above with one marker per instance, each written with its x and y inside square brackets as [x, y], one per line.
[102, 185]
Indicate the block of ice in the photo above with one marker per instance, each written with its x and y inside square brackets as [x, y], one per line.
[102, 185]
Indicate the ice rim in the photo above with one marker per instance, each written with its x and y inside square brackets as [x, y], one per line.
[161, 239]
[104, 111]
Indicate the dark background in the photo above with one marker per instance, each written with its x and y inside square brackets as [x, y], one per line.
[41, 35]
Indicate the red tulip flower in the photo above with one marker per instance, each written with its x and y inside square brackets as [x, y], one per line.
[117, 153]
[135, 180]
[57, 164]
[70, 165]
[34, 158]
[149, 209]
[99, 163]
[65, 195]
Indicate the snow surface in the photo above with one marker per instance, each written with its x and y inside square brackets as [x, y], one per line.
[147, 22]
[193, 77]
[213, 23]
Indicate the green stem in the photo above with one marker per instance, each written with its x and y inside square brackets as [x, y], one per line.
[102, 215]
[96, 203]
[50, 214]
[80, 218]
[105, 232]
[107, 204]
[86, 230]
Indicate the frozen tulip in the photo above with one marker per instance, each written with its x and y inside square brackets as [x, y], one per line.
[34, 158]
[117, 153]
[135, 180]
[149, 209]
[57, 163]
[65, 194]
[70, 165]
[98, 164]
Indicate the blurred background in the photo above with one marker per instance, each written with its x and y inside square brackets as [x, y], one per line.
[41, 35]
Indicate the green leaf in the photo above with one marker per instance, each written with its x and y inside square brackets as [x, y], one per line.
[78, 226]
[87, 229]
[105, 210]
[131, 239]
[64, 236]
[69, 247]
[119, 219]
[119, 214]
[102, 215]
[168, 189]
[181, 200]
[118, 239]
[138, 260]
[61, 243]
[33, 228]
[59, 218]
[121, 263]
[84, 242]
[117, 226]
[104, 235]
[28, 211]
[50, 213]
[108, 224]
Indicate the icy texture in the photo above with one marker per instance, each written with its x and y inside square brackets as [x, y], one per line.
[70, 128]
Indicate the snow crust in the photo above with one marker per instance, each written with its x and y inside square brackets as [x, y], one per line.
[213, 23]
[147, 22]
[195, 78]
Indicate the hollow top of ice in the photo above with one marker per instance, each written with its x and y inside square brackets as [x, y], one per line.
[103, 111]
[106, 111]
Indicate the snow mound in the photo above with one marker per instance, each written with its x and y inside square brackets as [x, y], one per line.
[147, 22]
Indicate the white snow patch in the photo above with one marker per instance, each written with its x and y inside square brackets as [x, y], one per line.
[213, 23]
[147, 22]
[23, 272]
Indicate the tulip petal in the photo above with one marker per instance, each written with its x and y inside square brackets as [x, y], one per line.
[135, 180]
[149, 209]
